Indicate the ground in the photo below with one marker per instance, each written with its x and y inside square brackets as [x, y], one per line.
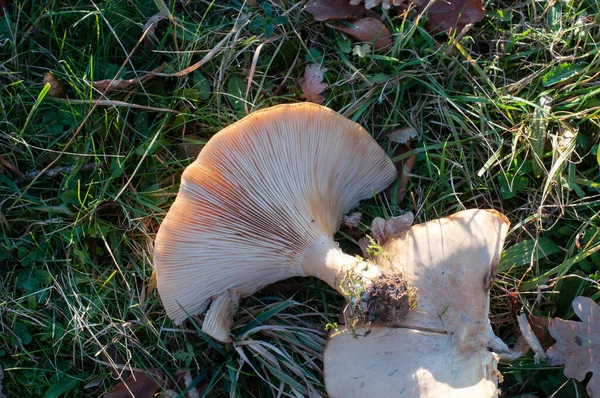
[506, 115]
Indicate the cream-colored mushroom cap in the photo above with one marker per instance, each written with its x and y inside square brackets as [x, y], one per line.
[260, 194]
[441, 349]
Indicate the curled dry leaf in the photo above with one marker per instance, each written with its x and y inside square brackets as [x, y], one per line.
[531, 339]
[404, 167]
[312, 84]
[150, 27]
[402, 136]
[350, 225]
[577, 344]
[56, 88]
[352, 220]
[138, 385]
[382, 230]
[323, 10]
[369, 30]
[108, 85]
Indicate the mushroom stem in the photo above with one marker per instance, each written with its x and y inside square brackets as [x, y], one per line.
[219, 317]
[326, 261]
[380, 296]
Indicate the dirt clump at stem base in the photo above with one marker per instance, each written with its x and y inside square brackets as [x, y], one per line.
[387, 300]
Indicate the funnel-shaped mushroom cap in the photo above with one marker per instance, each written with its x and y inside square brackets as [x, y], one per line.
[393, 362]
[441, 348]
[260, 193]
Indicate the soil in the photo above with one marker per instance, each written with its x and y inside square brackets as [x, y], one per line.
[387, 300]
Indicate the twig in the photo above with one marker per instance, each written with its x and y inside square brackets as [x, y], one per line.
[1, 379]
[49, 173]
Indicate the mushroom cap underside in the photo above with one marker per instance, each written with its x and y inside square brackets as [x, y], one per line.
[260, 192]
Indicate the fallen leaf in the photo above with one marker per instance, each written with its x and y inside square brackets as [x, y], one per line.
[454, 14]
[577, 344]
[350, 225]
[138, 385]
[323, 10]
[368, 30]
[402, 136]
[352, 220]
[9, 165]
[442, 15]
[531, 338]
[108, 85]
[539, 325]
[404, 167]
[382, 230]
[56, 88]
[361, 50]
[312, 84]
[150, 27]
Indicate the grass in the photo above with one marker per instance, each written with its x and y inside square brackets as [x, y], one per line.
[507, 115]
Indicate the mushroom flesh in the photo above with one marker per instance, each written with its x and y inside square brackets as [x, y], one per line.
[446, 346]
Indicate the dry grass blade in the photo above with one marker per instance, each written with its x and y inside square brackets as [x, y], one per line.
[284, 349]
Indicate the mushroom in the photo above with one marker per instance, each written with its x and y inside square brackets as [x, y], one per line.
[442, 348]
[260, 204]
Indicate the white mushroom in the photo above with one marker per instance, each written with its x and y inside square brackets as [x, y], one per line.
[442, 349]
[261, 204]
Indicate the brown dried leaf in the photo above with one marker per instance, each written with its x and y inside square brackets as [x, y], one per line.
[351, 225]
[444, 15]
[138, 385]
[312, 84]
[539, 325]
[404, 166]
[368, 30]
[108, 85]
[384, 230]
[323, 10]
[404, 169]
[56, 88]
[577, 344]
[403, 135]
[150, 27]
[352, 220]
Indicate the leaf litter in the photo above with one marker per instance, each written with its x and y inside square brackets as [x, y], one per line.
[368, 29]
[442, 15]
[577, 344]
[138, 385]
[312, 84]
[326, 10]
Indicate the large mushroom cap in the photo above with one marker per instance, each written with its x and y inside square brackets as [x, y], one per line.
[260, 193]
[441, 348]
